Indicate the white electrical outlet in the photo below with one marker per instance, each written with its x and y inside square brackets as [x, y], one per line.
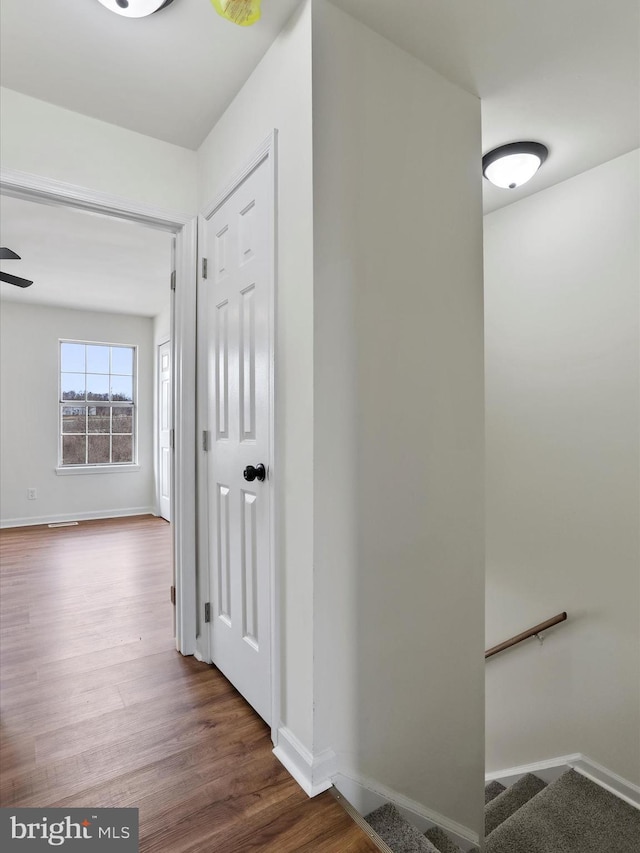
[32, 494]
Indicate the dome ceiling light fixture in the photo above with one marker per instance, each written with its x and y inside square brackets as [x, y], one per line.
[135, 8]
[512, 165]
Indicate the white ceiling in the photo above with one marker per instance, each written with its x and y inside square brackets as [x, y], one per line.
[82, 260]
[170, 75]
[563, 72]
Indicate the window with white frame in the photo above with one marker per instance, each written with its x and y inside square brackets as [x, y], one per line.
[97, 404]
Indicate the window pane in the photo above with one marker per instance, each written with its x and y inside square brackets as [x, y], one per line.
[122, 448]
[98, 419]
[97, 359]
[101, 433]
[122, 388]
[72, 386]
[122, 419]
[73, 419]
[122, 360]
[74, 450]
[97, 387]
[72, 358]
[98, 450]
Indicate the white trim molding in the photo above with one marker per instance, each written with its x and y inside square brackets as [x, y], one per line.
[366, 794]
[267, 148]
[47, 190]
[551, 769]
[79, 516]
[312, 773]
[183, 476]
[71, 470]
[609, 780]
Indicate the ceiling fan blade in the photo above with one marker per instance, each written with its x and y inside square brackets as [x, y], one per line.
[8, 255]
[14, 279]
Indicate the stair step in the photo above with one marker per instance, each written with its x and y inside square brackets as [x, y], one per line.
[571, 815]
[491, 790]
[398, 833]
[439, 838]
[505, 804]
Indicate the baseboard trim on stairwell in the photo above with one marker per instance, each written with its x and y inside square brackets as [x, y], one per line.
[622, 788]
[366, 794]
[552, 768]
[312, 773]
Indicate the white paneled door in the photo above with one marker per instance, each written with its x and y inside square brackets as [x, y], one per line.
[237, 246]
[164, 430]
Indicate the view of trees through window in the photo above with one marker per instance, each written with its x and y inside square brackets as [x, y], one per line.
[97, 405]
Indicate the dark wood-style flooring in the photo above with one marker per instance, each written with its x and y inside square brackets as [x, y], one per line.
[98, 709]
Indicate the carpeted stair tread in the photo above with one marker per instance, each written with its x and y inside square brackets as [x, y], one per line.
[571, 815]
[398, 833]
[505, 804]
[491, 791]
[440, 840]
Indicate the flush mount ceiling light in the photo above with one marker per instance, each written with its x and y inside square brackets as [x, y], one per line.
[135, 8]
[512, 165]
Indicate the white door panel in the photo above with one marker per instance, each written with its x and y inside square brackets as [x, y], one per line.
[238, 251]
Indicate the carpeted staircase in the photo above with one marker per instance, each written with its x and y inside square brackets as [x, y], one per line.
[570, 815]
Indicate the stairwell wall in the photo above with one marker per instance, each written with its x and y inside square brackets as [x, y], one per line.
[562, 274]
[398, 390]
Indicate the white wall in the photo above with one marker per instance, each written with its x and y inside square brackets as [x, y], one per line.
[278, 95]
[562, 275]
[162, 324]
[46, 140]
[398, 427]
[30, 417]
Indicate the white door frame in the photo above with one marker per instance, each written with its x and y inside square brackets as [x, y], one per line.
[183, 333]
[267, 151]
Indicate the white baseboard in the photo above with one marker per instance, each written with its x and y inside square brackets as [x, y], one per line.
[622, 788]
[367, 794]
[77, 516]
[552, 768]
[312, 773]
[548, 770]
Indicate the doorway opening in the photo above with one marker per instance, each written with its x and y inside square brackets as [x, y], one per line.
[94, 304]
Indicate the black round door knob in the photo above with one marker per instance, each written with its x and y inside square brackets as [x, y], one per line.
[258, 473]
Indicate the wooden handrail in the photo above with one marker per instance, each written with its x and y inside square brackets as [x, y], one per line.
[532, 632]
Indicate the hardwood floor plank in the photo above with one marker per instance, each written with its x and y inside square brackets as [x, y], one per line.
[113, 726]
[17, 754]
[164, 667]
[14, 615]
[94, 767]
[160, 786]
[60, 711]
[99, 710]
[87, 661]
